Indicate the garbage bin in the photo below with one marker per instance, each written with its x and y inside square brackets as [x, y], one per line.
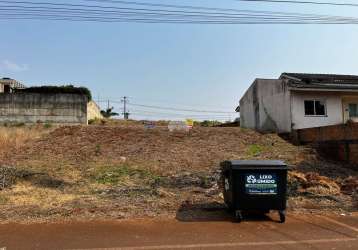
[255, 186]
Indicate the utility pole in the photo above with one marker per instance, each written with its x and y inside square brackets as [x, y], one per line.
[125, 111]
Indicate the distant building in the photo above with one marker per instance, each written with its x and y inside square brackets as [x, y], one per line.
[7, 85]
[298, 101]
[39, 106]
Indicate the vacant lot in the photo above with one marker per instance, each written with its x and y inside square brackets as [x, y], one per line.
[121, 171]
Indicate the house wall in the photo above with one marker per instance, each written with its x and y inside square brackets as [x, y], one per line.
[334, 109]
[52, 108]
[93, 111]
[266, 107]
[248, 115]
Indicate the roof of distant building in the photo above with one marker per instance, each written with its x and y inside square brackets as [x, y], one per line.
[324, 81]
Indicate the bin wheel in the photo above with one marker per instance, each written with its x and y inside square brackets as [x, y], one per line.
[238, 216]
[282, 216]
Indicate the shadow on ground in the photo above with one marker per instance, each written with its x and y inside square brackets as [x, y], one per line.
[214, 211]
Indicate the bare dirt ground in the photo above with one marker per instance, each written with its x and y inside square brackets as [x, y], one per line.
[127, 171]
[299, 232]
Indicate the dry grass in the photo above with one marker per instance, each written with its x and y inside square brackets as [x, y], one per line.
[107, 170]
[24, 194]
[15, 137]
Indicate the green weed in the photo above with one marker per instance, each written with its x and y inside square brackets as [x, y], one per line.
[47, 125]
[117, 174]
[98, 150]
[254, 150]
[3, 199]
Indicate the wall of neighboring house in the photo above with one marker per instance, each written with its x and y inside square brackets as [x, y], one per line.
[248, 115]
[266, 106]
[334, 109]
[93, 111]
[51, 108]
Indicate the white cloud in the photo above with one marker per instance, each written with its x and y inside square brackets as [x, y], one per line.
[6, 65]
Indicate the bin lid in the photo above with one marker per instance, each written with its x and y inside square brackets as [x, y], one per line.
[249, 164]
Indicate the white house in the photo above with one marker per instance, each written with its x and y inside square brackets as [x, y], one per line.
[7, 85]
[298, 101]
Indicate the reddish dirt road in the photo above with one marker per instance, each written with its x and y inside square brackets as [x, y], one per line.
[299, 232]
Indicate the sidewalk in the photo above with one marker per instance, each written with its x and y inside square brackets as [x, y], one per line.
[299, 232]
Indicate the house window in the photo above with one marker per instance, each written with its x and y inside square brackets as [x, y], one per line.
[315, 108]
[353, 110]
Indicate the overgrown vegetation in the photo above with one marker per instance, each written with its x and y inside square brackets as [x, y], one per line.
[47, 125]
[114, 175]
[64, 89]
[254, 150]
[3, 199]
[207, 123]
[14, 137]
[122, 170]
[108, 113]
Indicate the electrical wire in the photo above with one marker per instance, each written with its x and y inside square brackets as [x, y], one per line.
[114, 10]
[181, 117]
[80, 12]
[175, 114]
[160, 20]
[178, 109]
[167, 108]
[302, 2]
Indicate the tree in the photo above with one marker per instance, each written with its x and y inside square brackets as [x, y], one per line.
[108, 113]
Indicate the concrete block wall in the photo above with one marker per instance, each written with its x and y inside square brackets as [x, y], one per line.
[51, 108]
[338, 142]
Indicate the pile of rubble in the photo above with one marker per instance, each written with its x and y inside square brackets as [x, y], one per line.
[299, 182]
[8, 176]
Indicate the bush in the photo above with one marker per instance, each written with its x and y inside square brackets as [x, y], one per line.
[65, 89]
[254, 150]
[113, 175]
[47, 125]
[207, 123]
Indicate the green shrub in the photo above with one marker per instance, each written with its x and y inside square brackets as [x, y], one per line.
[47, 125]
[98, 150]
[116, 174]
[18, 124]
[207, 123]
[254, 150]
[64, 89]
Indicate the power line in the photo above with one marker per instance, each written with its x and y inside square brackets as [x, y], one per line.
[78, 13]
[303, 2]
[177, 109]
[136, 111]
[73, 17]
[182, 104]
[116, 10]
[181, 117]
[172, 8]
[98, 13]
[170, 108]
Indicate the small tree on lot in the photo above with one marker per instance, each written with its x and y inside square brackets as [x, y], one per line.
[108, 113]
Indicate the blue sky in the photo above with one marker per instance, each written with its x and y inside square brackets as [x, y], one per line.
[206, 67]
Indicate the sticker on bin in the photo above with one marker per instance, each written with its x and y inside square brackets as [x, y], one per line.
[261, 183]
